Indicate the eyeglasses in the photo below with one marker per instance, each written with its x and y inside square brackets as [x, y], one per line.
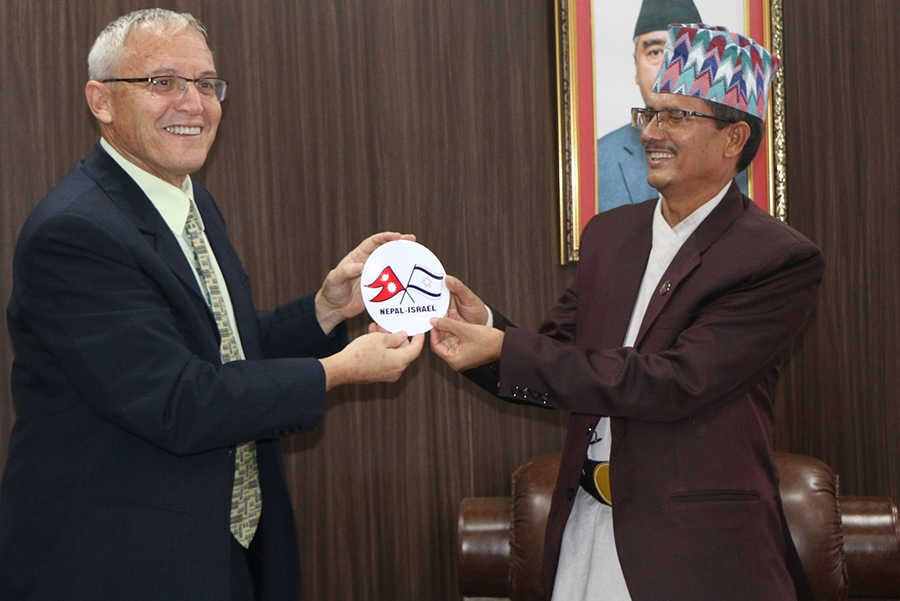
[667, 119]
[174, 86]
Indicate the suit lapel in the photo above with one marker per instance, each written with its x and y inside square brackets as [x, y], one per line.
[689, 256]
[687, 259]
[631, 261]
[134, 204]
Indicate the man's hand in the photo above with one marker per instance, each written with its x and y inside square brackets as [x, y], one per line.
[339, 297]
[464, 345]
[375, 357]
[464, 304]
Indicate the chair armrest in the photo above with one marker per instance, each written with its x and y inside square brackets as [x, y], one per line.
[482, 556]
[871, 546]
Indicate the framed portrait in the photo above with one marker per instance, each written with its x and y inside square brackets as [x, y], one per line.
[597, 84]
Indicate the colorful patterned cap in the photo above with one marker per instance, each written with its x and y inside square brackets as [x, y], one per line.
[718, 65]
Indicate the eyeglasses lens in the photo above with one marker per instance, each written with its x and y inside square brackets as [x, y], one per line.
[176, 86]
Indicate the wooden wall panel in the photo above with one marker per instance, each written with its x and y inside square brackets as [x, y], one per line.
[840, 397]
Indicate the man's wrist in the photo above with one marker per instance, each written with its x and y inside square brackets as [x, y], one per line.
[327, 317]
[335, 372]
[497, 338]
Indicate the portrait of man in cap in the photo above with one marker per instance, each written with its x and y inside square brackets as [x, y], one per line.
[621, 162]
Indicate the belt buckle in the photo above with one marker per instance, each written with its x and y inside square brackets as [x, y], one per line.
[595, 480]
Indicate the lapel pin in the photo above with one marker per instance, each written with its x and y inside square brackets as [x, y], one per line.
[666, 286]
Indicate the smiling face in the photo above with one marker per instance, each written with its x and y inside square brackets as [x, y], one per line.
[648, 58]
[696, 159]
[165, 136]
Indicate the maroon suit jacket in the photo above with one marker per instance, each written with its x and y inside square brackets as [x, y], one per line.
[695, 491]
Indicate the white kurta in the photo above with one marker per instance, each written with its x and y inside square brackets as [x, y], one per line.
[588, 562]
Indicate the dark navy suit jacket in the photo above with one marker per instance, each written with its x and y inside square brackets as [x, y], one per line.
[118, 484]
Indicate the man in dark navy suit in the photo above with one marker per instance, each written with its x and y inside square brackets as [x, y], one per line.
[145, 460]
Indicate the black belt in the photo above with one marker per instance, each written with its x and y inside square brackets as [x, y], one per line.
[595, 480]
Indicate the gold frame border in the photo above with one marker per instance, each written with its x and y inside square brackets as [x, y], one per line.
[567, 122]
[777, 150]
[567, 131]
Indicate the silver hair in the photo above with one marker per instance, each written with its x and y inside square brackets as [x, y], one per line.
[105, 54]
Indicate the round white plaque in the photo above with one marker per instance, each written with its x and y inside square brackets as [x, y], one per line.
[402, 285]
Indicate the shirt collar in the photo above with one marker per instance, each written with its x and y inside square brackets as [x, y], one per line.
[686, 226]
[172, 202]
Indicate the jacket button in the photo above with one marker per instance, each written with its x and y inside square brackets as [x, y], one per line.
[666, 286]
[526, 392]
[570, 494]
[545, 397]
[515, 391]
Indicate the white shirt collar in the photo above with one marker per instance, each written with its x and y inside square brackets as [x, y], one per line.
[173, 203]
[686, 226]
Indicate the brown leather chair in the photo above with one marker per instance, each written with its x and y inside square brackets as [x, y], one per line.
[848, 545]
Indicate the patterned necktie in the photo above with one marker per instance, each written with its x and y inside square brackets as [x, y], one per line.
[246, 498]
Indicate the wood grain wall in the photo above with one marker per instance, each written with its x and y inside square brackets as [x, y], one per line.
[841, 392]
[436, 117]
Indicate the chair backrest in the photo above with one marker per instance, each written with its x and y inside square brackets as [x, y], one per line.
[843, 543]
[809, 492]
[533, 484]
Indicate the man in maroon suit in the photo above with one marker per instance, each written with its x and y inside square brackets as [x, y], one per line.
[665, 349]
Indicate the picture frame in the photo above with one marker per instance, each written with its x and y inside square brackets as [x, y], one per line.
[578, 34]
